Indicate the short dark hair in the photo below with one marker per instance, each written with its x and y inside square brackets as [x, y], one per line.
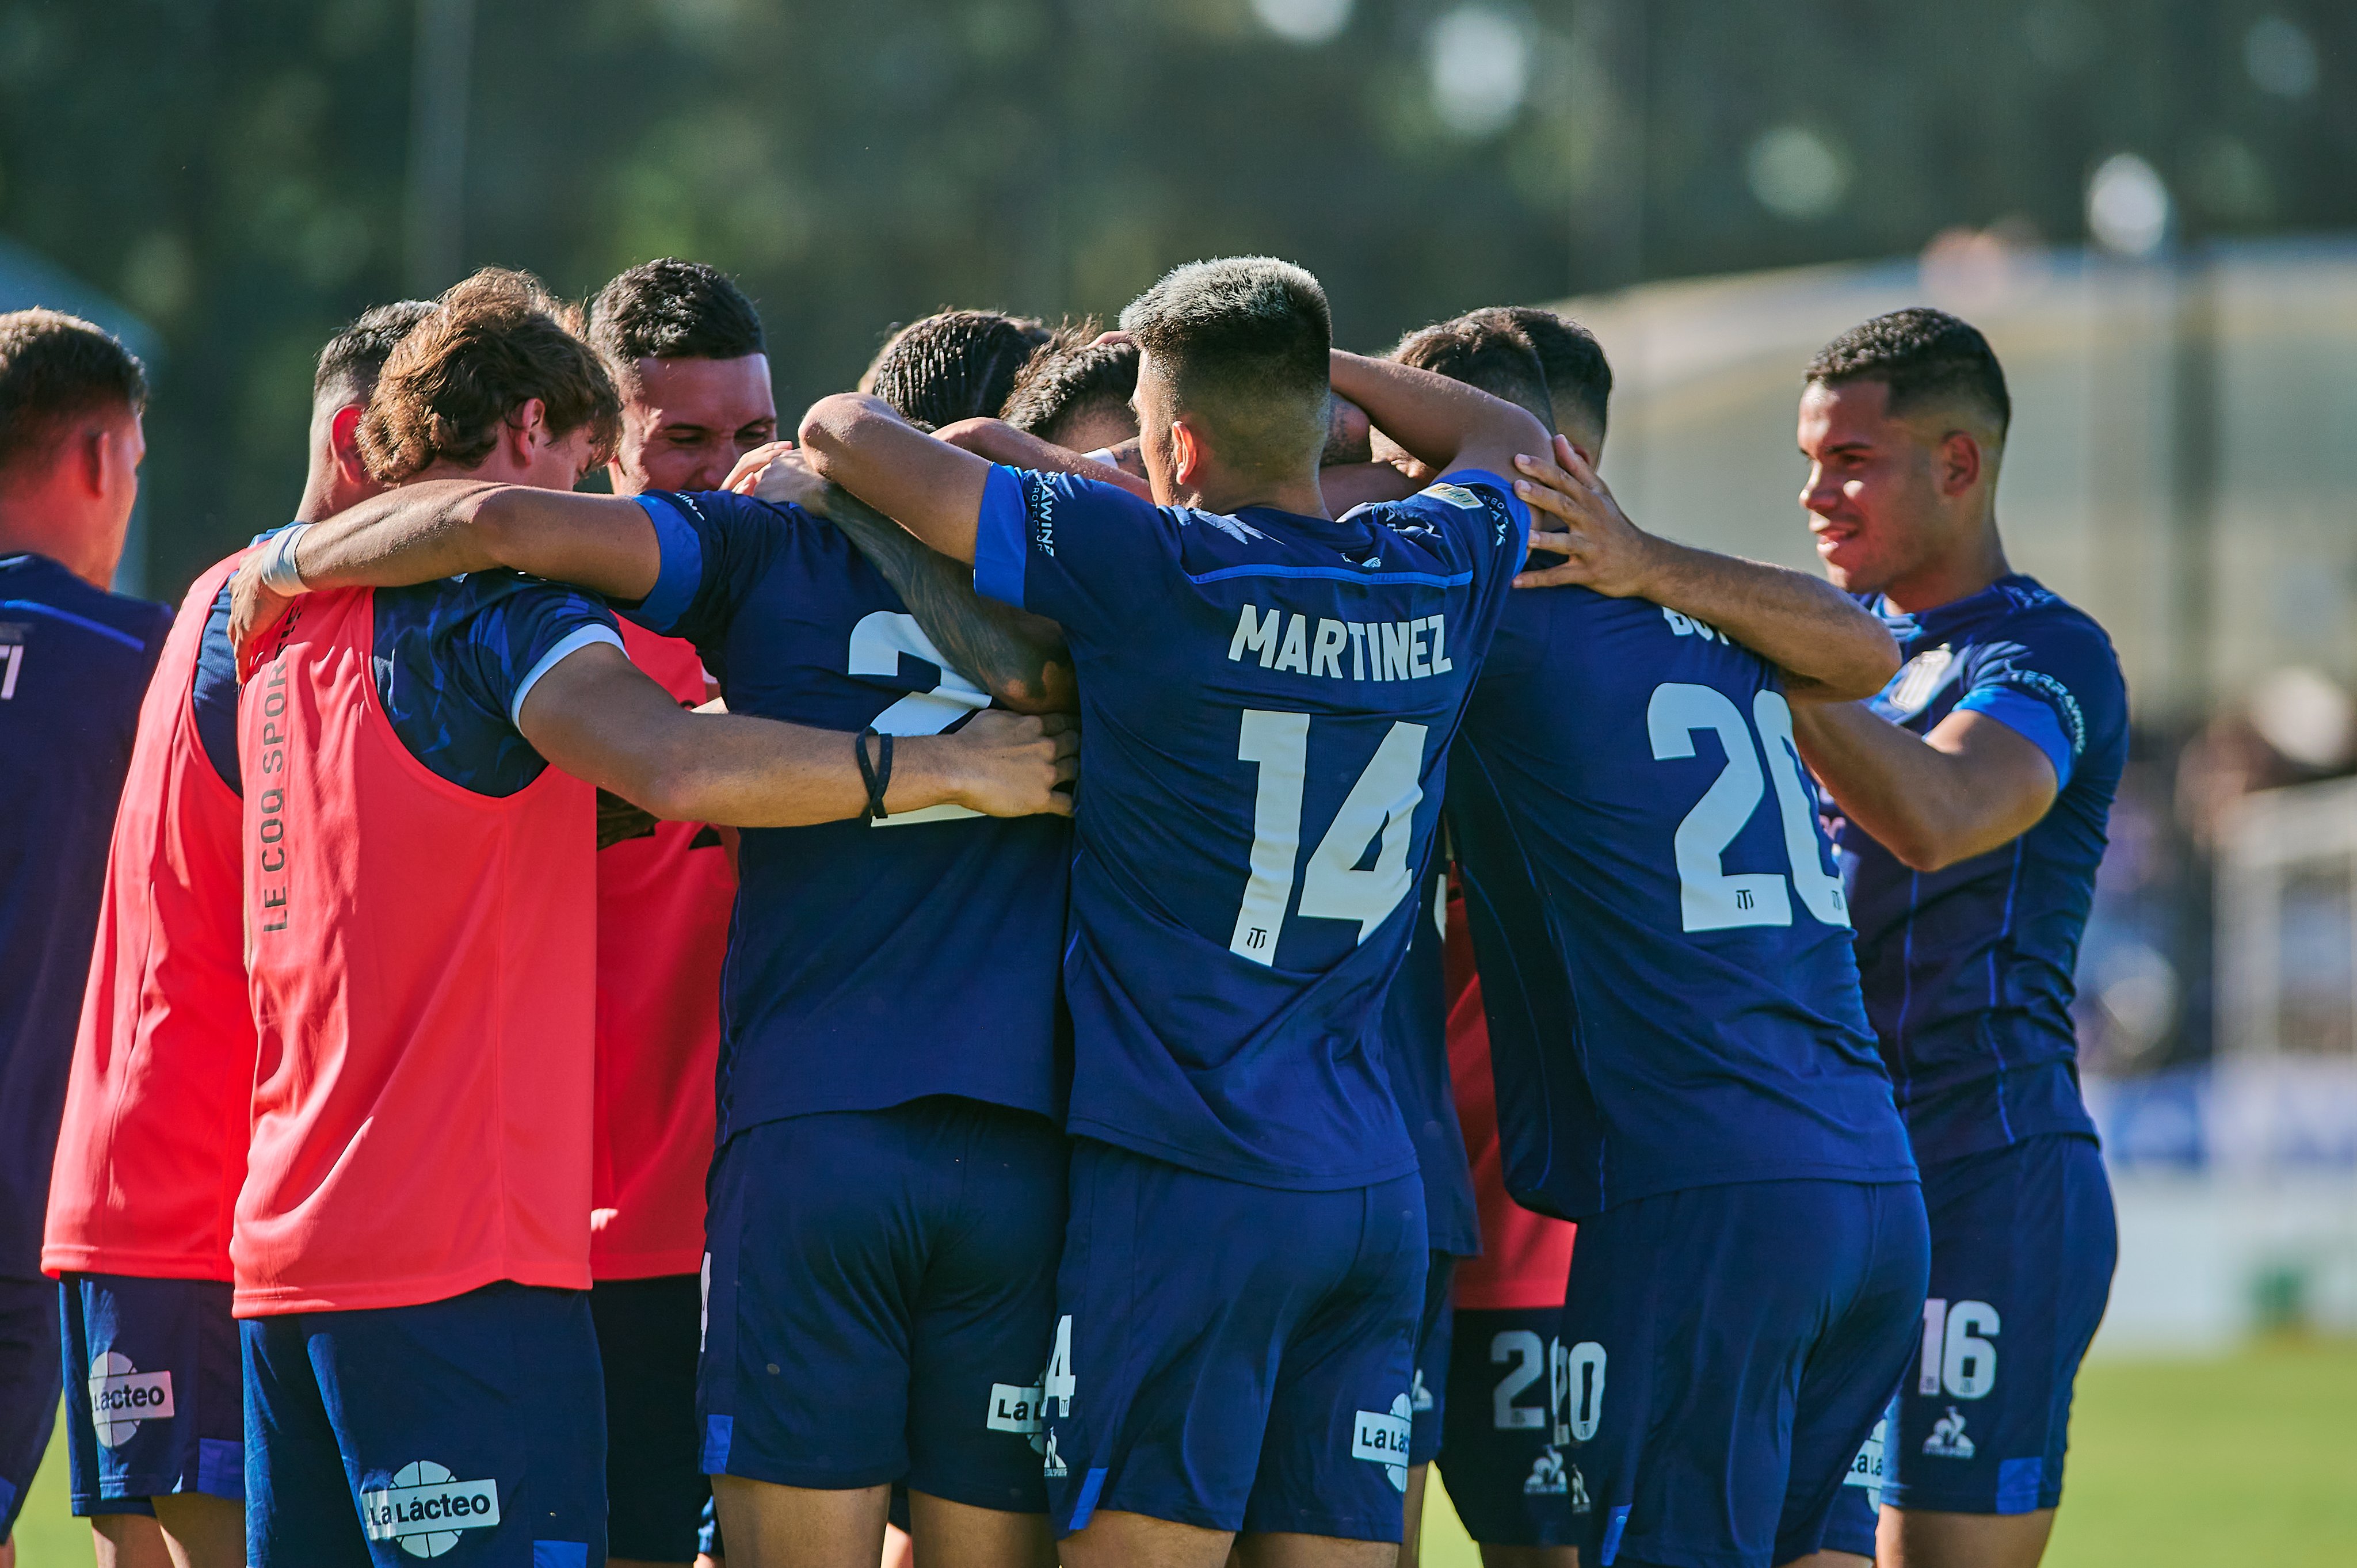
[671, 309]
[55, 368]
[1483, 348]
[349, 364]
[1073, 376]
[1245, 342]
[1576, 370]
[491, 342]
[953, 365]
[1923, 356]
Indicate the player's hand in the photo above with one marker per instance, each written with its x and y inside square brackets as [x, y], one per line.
[1573, 515]
[252, 610]
[1015, 765]
[778, 473]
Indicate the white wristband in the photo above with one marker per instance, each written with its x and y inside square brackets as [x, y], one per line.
[278, 571]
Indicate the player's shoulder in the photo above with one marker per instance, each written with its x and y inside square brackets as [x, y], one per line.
[38, 587]
[2031, 620]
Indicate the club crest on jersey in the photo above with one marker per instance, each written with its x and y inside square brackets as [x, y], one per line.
[1380, 1438]
[1948, 1440]
[122, 1396]
[424, 1508]
[1918, 682]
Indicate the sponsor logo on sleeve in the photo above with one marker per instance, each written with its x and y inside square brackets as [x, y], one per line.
[1457, 496]
[425, 1509]
[1381, 1437]
[122, 1396]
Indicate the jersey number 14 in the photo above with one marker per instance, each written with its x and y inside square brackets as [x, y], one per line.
[1381, 803]
[1709, 897]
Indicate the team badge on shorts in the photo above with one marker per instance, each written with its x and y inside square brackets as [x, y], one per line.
[1382, 1439]
[425, 1508]
[1948, 1440]
[122, 1396]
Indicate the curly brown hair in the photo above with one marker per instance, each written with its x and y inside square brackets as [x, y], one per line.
[492, 342]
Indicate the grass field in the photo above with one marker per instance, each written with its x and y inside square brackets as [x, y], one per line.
[2249, 1459]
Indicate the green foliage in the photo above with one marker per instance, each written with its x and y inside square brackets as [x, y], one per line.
[236, 172]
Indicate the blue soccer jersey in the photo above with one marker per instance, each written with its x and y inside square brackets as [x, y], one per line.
[1968, 971]
[869, 964]
[74, 663]
[1663, 942]
[1415, 1062]
[1266, 704]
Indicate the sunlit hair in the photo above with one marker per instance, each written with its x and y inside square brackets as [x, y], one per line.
[491, 344]
[1925, 357]
[1243, 344]
[671, 309]
[957, 364]
[1577, 374]
[352, 359]
[1484, 349]
[55, 369]
[1073, 378]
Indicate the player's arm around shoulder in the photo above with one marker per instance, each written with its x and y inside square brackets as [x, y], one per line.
[932, 488]
[597, 717]
[1829, 648]
[443, 527]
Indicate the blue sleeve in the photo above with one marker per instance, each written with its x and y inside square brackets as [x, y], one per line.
[2050, 685]
[212, 699]
[503, 651]
[1081, 552]
[714, 546]
[1489, 523]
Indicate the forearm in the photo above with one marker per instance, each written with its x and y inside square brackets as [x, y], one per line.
[416, 533]
[1829, 649]
[1002, 442]
[1434, 419]
[758, 773]
[1927, 806]
[1018, 658]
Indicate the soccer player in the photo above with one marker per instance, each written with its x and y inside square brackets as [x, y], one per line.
[410, 1247]
[1972, 798]
[1076, 390]
[74, 659]
[1266, 699]
[686, 349]
[957, 364]
[1680, 1052]
[152, 1147]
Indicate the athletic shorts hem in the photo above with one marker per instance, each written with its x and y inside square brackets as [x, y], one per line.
[968, 1493]
[1925, 1499]
[1201, 1519]
[1386, 1526]
[1659, 1553]
[80, 1504]
[141, 1489]
[813, 1480]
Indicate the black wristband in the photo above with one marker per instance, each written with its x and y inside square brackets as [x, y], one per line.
[877, 775]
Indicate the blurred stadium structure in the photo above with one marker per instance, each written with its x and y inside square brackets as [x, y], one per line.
[2150, 208]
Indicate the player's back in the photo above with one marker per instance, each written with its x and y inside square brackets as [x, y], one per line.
[1267, 704]
[74, 663]
[1968, 970]
[870, 962]
[1664, 946]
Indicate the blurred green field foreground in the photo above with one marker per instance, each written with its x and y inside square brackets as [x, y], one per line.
[2249, 1459]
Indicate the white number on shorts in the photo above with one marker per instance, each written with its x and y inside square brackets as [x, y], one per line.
[1520, 1346]
[1710, 899]
[1059, 1384]
[877, 644]
[1381, 802]
[1967, 1360]
[1583, 1388]
[11, 658]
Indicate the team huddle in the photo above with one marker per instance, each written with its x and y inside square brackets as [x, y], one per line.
[1101, 955]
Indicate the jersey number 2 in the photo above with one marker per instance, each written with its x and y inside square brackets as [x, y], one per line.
[1382, 802]
[1709, 899]
[877, 644]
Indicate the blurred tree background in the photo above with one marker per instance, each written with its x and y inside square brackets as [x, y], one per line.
[247, 175]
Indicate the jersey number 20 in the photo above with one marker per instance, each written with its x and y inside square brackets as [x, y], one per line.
[1383, 802]
[1709, 899]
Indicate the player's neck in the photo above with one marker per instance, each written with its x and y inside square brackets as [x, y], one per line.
[1978, 561]
[36, 521]
[1221, 494]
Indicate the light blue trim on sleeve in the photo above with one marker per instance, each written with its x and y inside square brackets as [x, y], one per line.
[999, 537]
[682, 571]
[2029, 718]
[1517, 508]
[572, 642]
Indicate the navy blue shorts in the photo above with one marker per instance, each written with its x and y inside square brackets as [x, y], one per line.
[156, 1406]
[1726, 1351]
[881, 1290]
[1234, 1356]
[647, 1333]
[1510, 1473]
[473, 1424]
[28, 1387]
[1427, 1394]
[2023, 1243]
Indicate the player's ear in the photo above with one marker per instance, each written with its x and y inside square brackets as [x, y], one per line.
[1960, 463]
[527, 430]
[1190, 458]
[344, 443]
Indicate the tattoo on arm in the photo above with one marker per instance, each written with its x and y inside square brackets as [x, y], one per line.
[1018, 658]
